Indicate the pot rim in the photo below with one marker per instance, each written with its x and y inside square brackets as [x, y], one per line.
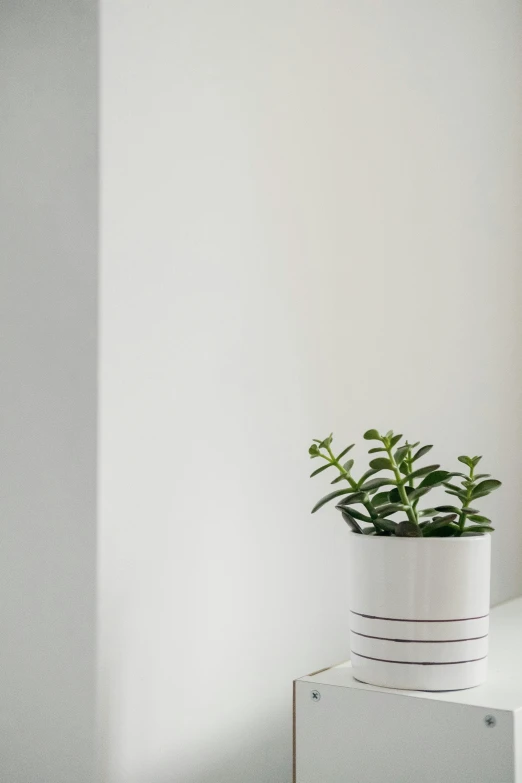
[427, 539]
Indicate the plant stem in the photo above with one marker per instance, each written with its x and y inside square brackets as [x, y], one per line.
[409, 463]
[410, 511]
[334, 461]
[469, 491]
[367, 504]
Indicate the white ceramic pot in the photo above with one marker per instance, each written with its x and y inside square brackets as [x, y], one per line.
[419, 614]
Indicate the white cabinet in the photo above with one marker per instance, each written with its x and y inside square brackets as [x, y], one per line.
[349, 732]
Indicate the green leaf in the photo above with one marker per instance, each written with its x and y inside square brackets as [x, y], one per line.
[346, 450]
[447, 518]
[385, 524]
[479, 529]
[480, 518]
[354, 497]
[486, 487]
[395, 495]
[460, 495]
[435, 478]
[326, 442]
[421, 452]
[418, 492]
[356, 514]
[422, 472]
[400, 454]
[453, 487]
[475, 461]
[468, 510]
[391, 508]
[381, 463]
[389, 434]
[320, 470]
[369, 531]
[351, 522]
[408, 529]
[466, 461]
[440, 522]
[376, 483]
[371, 435]
[313, 450]
[342, 477]
[374, 451]
[428, 512]
[395, 440]
[380, 498]
[482, 475]
[348, 465]
[453, 509]
[367, 476]
[444, 532]
[329, 497]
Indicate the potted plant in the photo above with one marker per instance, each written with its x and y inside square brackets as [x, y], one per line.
[419, 572]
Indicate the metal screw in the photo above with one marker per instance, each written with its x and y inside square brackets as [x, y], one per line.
[315, 696]
[490, 721]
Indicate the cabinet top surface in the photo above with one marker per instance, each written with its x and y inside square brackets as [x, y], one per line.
[503, 689]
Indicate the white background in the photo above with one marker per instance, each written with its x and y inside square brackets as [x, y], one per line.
[310, 221]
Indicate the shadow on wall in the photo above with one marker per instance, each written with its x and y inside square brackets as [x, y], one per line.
[266, 758]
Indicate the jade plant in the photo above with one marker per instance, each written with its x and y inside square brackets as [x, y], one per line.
[385, 500]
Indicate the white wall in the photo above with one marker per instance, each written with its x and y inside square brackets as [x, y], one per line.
[310, 221]
[48, 280]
